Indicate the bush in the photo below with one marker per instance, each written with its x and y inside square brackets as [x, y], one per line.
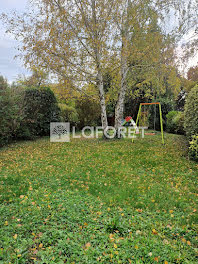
[193, 148]
[40, 108]
[10, 111]
[179, 122]
[68, 114]
[25, 114]
[5, 112]
[170, 124]
[88, 111]
[191, 113]
[175, 122]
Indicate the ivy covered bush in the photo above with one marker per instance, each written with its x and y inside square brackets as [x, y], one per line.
[191, 113]
[193, 148]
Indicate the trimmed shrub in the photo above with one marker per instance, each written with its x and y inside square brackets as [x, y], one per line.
[25, 114]
[191, 113]
[40, 108]
[175, 122]
[193, 148]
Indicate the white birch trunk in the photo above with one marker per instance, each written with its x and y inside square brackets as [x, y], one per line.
[102, 101]
[100, 82]
[119, 109]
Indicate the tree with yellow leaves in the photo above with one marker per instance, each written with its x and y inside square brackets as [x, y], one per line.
[76, 40]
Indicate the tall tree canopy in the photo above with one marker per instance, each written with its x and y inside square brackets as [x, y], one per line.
[78, 40]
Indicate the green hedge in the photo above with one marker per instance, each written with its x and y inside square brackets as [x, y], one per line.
[40, 108]
[25, 114]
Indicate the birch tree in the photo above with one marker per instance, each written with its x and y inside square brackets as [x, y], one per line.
[136, 20]
[143, 13]
[76, 40]
[69, 38]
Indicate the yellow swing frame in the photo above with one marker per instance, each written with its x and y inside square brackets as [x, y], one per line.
[160, 112]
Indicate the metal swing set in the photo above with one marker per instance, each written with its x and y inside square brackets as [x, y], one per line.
[145, 113]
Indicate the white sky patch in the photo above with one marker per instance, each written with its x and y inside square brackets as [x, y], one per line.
[9, 5]
[10, 67]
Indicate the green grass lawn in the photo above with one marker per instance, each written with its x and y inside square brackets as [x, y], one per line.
[95, 201]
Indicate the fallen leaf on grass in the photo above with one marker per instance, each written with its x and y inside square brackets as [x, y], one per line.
[87, 246]
[154, 232]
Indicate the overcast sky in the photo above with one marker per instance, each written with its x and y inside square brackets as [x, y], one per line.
[10, 67]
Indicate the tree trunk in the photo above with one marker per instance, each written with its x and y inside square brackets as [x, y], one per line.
[119, 109]
[100, 82]
[102, 101]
